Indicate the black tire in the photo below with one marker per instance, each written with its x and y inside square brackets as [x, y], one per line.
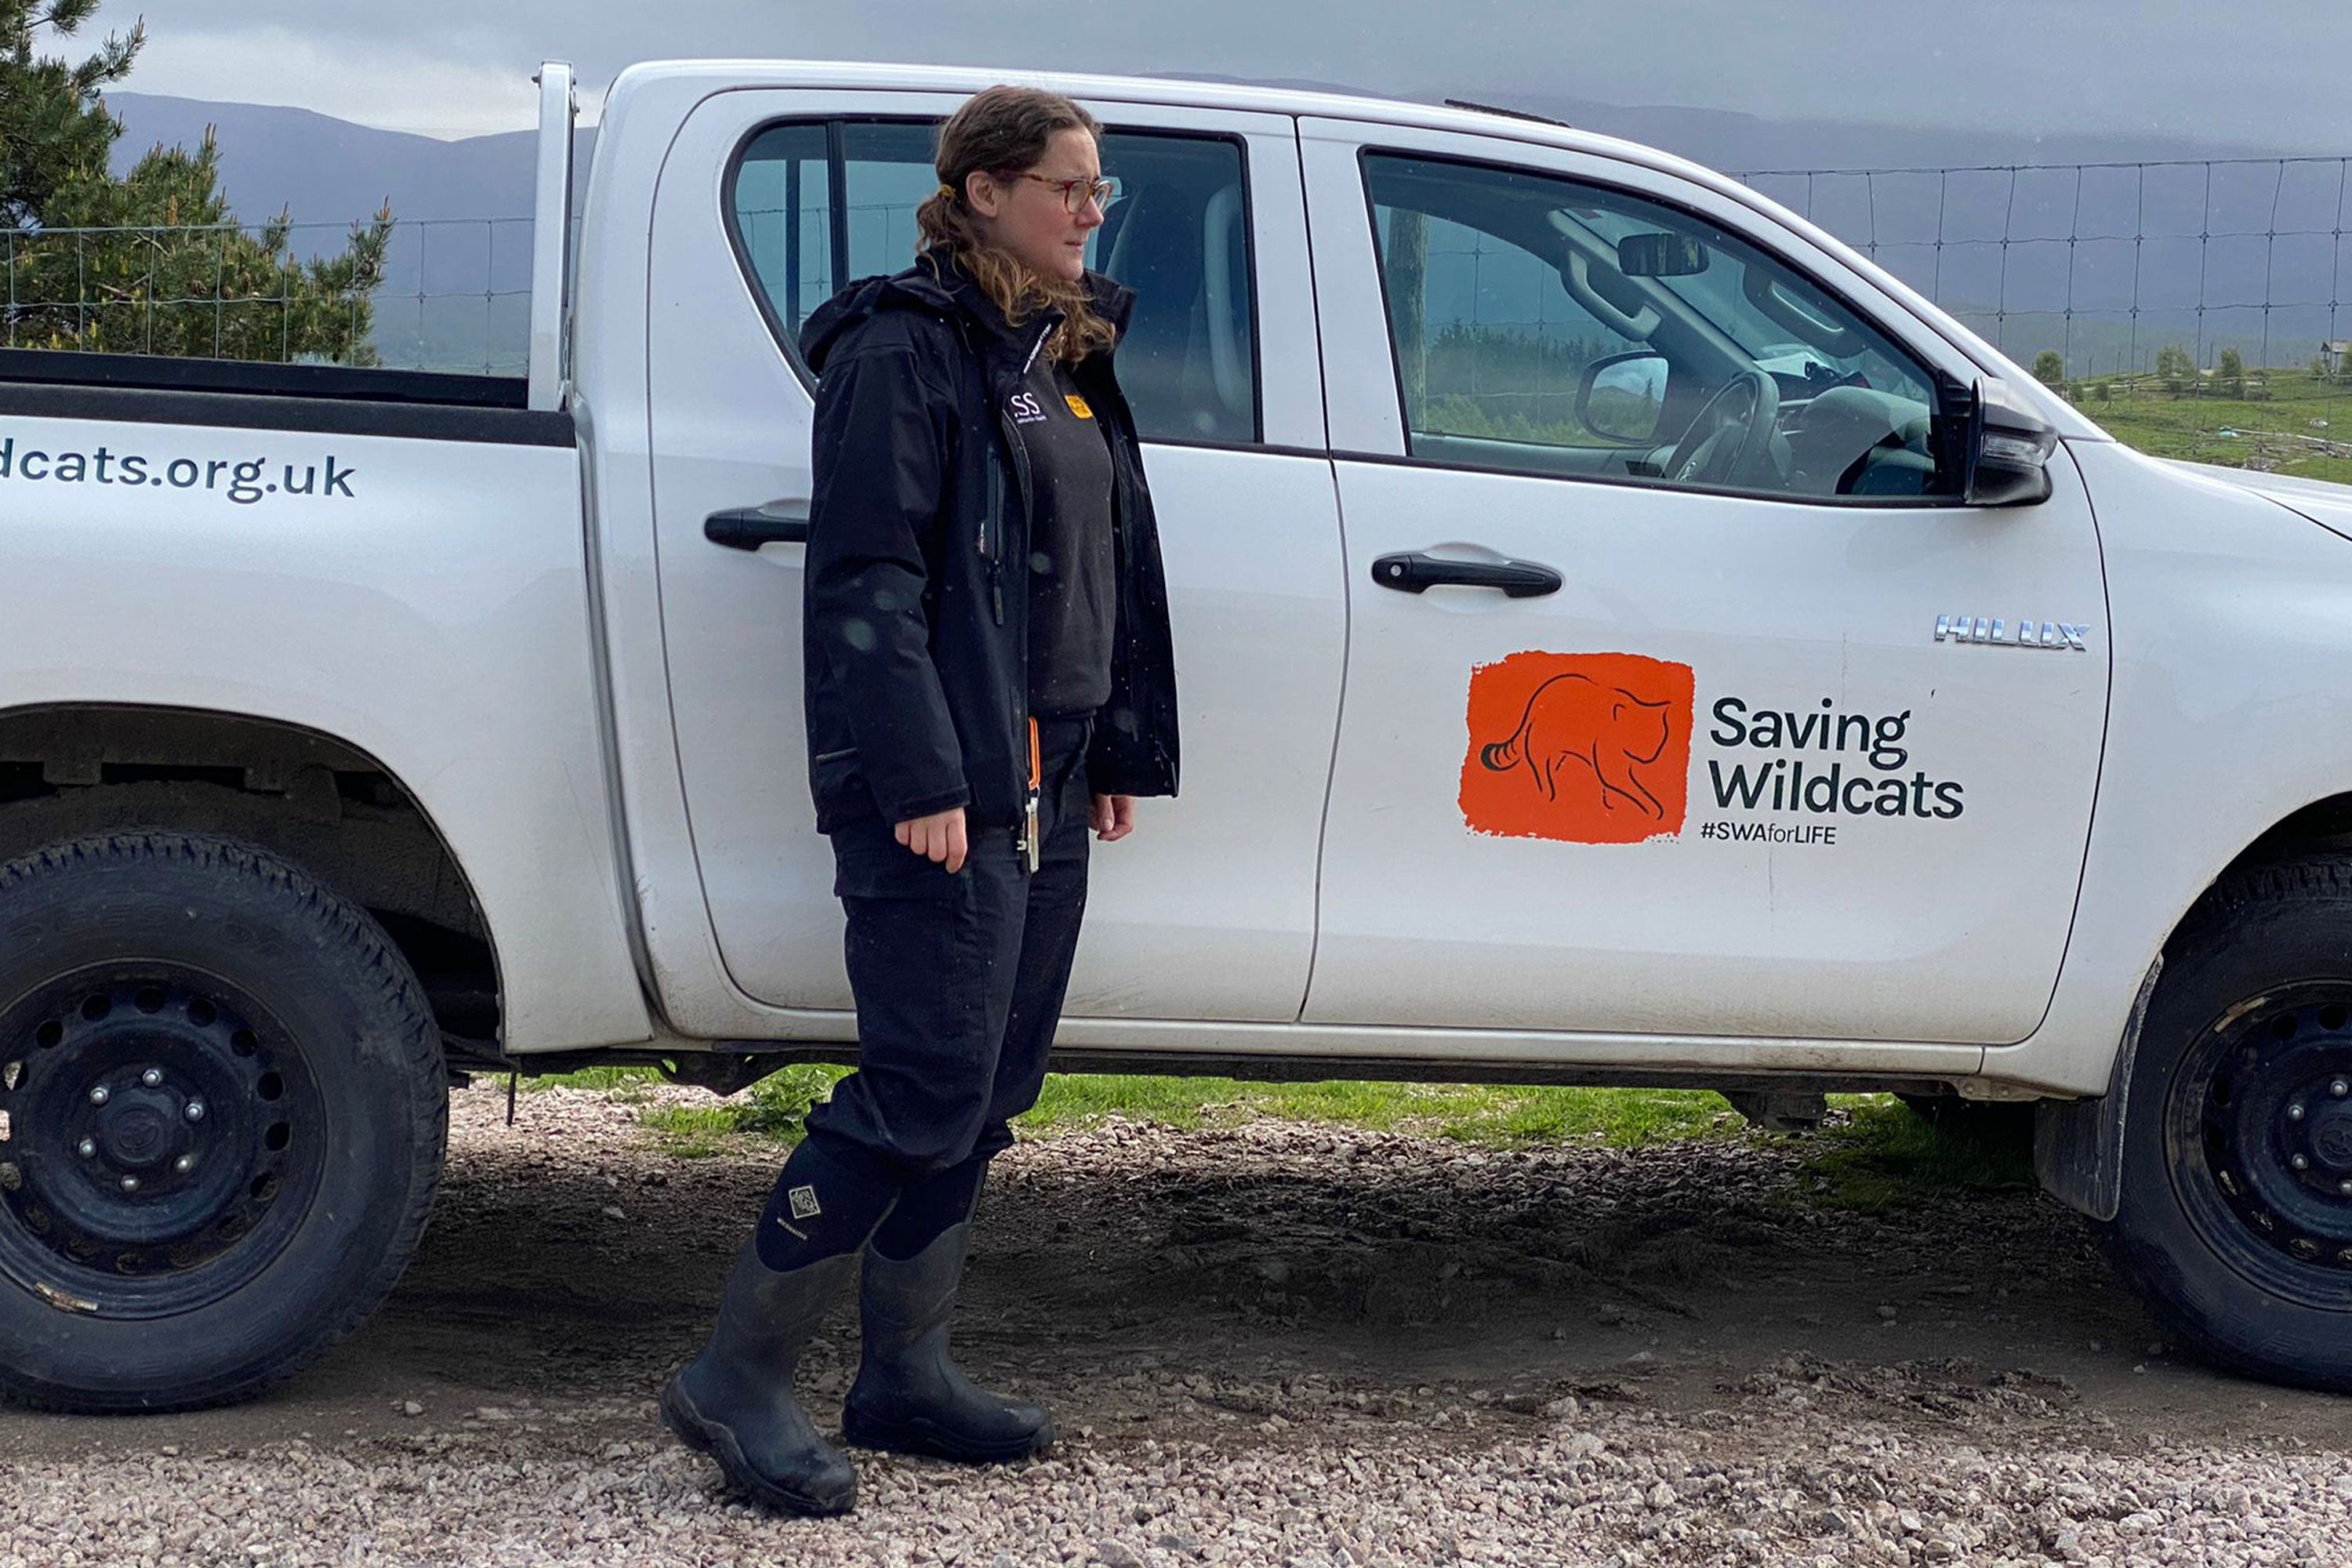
[2244, 1067]
[258, 1173]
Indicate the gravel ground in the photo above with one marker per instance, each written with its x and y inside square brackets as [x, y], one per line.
[1274, 1345]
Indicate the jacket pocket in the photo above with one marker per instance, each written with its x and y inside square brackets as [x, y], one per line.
[838, 784]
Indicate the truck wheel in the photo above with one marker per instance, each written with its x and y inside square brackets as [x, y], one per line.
[225, 1112]
[2236, 1216]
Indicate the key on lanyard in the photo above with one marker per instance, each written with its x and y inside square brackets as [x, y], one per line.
[1032, 840]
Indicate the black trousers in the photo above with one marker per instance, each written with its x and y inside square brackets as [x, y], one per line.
[959, 982]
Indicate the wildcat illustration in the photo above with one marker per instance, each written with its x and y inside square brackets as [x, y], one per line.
[1606, 727]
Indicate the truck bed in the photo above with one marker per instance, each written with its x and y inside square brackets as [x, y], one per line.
[149, 389]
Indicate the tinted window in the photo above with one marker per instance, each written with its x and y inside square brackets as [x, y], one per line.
[784, 206]
[1543, 325]
[817, 204]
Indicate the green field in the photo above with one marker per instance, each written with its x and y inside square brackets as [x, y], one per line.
[2283, 421]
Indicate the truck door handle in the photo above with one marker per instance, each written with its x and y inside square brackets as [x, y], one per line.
[1417, 573]
[750, 527]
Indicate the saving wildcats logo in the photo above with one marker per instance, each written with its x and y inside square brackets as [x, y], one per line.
[1597, 748]
[1822, 762]
[1588, 748]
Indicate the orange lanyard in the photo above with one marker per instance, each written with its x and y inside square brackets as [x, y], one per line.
[1032, 839]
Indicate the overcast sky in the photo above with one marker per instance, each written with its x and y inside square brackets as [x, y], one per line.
[2272, 74]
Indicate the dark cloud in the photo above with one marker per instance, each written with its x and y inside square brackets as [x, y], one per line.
[2267, 73]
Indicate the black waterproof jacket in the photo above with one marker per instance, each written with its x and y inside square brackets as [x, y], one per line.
[917, 591]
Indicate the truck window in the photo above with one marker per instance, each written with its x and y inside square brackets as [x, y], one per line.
[815, 203]
[1712, 364]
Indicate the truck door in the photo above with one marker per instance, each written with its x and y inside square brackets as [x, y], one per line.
[1649, 725]
[768, 202]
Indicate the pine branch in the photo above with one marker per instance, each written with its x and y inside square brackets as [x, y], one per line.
[63, 16]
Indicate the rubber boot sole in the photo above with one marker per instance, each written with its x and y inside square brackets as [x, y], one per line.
[711, 1437]
[921, 1436]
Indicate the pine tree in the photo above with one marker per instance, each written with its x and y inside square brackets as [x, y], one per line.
[153, 262]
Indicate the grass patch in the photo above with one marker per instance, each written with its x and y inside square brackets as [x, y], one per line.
[1884, 1155]
[2278, 429]
[1483, 1115]
[627, 1084]
[691, 1132]
[773, 1107]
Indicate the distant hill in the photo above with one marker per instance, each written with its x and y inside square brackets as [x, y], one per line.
[330, 170]
[457, 283]
[457, 291]
[1743, 142]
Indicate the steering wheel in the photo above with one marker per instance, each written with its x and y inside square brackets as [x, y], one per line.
[1731, 439]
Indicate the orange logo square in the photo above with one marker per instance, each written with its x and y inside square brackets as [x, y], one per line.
[1587, 748]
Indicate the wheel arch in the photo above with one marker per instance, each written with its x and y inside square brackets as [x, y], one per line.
[318, 800]
[2078, 1144]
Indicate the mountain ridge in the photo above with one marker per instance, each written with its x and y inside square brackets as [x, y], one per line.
[311, 164]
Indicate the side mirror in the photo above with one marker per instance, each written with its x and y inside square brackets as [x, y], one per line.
[1661, 255]
[2009, 449]
[1620, 398]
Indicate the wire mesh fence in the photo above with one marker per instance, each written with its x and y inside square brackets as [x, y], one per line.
[2105, 264]
[447, 294]
[2108, 265]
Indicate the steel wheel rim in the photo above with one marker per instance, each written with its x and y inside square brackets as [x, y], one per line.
[2258, 1132]
[164, 1138]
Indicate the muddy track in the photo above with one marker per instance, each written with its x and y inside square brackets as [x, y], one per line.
[1272, 1344]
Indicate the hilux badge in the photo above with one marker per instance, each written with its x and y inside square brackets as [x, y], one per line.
[2028, 633]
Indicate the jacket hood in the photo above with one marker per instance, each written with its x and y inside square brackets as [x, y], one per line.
[938, 286]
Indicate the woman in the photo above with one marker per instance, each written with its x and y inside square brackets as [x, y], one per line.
[989, 672]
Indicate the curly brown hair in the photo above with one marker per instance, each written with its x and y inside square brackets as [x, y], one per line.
[1004, 130]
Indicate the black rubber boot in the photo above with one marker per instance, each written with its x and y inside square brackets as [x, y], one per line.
[909, 1397]
[734, 1401]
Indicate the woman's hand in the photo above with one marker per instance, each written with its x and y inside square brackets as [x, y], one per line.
[1113, 817]
[938, 838]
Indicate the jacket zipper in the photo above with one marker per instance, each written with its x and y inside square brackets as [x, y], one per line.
[1024, 723]
[991, 533]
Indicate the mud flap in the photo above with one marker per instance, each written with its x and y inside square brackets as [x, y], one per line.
[2078, 1144]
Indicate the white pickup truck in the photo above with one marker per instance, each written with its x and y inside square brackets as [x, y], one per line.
[1624, 637]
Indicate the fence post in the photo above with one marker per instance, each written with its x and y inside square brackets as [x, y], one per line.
[2270, 259]
[2204, 252]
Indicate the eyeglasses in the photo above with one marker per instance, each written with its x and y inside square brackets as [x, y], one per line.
[1076, 193]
